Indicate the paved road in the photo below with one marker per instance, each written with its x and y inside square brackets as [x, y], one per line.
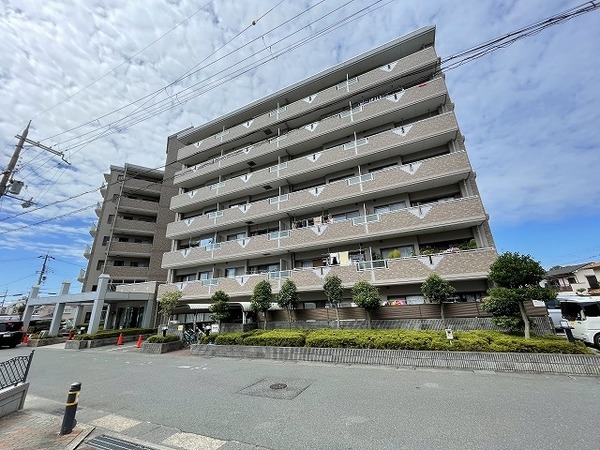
[324, 405]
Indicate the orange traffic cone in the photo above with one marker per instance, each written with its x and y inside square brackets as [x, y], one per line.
[139, 342]
[120, 340]
[25, 338]
[70, 336]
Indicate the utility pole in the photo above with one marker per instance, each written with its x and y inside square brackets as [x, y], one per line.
[44, 268]
[6, 175]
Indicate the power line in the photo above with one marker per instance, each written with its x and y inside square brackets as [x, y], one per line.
[468, 55]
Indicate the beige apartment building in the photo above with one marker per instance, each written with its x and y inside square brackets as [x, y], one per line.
[359, 171]
[129, 236]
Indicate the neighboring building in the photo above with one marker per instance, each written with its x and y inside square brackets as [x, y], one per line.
[579, 279]
[359, 171]
[129, 237]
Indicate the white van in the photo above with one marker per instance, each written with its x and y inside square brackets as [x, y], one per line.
[584, 317]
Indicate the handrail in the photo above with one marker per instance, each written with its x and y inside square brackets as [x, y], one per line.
[15, 370]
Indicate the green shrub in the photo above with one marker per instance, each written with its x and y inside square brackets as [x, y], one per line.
[115, 333]
[276, 338]
[160, 339]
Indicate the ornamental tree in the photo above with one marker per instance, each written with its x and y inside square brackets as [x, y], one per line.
[365, 295]
[517, 279]
[261, 299]
[334, 293]
[437, 290]
[168, 303]
[288, 298]
[219, 307]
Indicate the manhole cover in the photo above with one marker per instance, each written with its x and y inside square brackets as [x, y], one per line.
[278, 386]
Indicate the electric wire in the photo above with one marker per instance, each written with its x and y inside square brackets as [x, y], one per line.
[466, 54]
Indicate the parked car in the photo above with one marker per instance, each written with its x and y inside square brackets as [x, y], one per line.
[555, 313]
[11, 332]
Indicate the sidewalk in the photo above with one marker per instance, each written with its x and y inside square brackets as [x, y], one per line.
[37, 425]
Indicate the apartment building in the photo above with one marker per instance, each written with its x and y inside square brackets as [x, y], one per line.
[129, 236]
[359, 171]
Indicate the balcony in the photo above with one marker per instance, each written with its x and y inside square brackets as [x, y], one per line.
[469, 264]
[130, 249]
[421, 135]
[136, 206]
[411, 102]
[81, 277]
[433, 217]
[98, 209]
[416, 62]
[142, 186]
[137, 227]
[126, 272]
[446, 169]
[87, 252]
[94, 229]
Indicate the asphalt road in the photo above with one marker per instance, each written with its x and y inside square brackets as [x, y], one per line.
[326, 406]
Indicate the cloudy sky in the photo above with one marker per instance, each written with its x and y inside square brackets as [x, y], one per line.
[107, 81]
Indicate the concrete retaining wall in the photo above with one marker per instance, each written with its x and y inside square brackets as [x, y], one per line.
[156, 348]
[12, 398]
[46, 341]
[92, 343]
[500, 362]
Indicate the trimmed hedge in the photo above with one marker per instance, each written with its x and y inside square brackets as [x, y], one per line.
[469, 341]
[160, 339]
[114, 333]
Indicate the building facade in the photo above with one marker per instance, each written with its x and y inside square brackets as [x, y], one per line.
[359, 171]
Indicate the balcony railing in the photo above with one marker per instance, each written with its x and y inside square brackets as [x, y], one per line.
[138, 205]
[442, 216]
[87, 252]
[81, 277]
[130, 248]
[126, 271]
[469, 264]
[137, 185]
[94, 229]
[134, 226]
[427, 133]
[450, 167]
[413, 102]
[401, 68]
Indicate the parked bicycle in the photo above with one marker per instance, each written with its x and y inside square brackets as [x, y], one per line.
[189, 337]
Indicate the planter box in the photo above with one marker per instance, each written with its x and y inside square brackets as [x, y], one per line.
[45, 341]
[92, 343]
[155, 348]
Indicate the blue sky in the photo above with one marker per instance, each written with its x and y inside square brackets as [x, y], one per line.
[529, 112]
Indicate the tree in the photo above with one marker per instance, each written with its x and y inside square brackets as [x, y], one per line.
[437, 290]
[334, 293]
[505, 314]
[168, 302]
[261, 298]
[517, 280]
[365, 295]
[219, 307]
[288, 298]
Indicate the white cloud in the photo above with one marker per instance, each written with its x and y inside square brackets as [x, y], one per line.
[528, 111]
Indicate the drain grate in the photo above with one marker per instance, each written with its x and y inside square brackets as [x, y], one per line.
[106, 442]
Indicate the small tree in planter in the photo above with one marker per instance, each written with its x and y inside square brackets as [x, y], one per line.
[394, 254]
[365, 295]
[334, 293]
[168, 303]
[261, 299]
[219, 307]
[288, 298]
[437, 290]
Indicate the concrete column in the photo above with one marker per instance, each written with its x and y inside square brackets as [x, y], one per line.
[56, 318]
[78, 315]
[108, 323]
[148, 313]
[35, 292]
[98, 303]
[64, 288]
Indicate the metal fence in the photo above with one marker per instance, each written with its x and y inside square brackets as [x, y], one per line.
[15, 370]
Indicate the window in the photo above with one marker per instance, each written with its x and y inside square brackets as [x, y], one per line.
[100, 264]
[404, 250]
[232, 272]
[190, 277]
[105, 240]
[415, 300]
[236, 236]
[264, 268]
[204, 275]
[344, 216]
[118, 263]
[122, 239]
[593, 281]
[591, 310]
[111, 218]
[391, 207]
[572, 280]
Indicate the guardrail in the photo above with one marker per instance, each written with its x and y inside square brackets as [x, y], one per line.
[15, 370]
